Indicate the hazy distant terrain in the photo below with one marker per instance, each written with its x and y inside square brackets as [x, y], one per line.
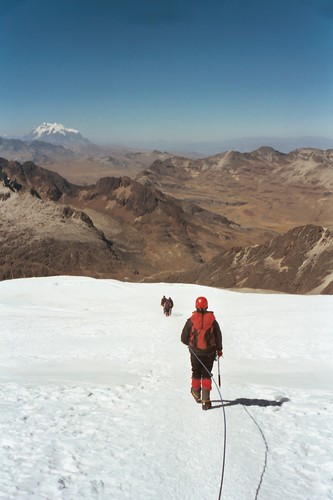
[265, 191]
[84, 163]
[243, 145]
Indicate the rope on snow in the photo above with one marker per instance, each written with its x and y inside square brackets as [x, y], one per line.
[225, 433]
[224, 421]
[266, 450]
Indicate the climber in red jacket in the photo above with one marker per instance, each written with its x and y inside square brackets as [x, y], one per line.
[202, 334]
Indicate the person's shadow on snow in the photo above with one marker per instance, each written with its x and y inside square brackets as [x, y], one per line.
[249, 402]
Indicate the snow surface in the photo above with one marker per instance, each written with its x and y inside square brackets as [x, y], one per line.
[95, 400]
[52, 128]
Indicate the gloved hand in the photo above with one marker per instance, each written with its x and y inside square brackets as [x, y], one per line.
[220, 353]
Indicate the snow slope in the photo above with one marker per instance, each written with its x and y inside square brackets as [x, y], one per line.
[95, 402]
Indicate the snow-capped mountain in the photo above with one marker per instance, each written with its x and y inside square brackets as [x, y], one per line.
[55, 133]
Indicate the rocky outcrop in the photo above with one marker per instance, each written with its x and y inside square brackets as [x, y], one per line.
[42, 238]
[43, 183]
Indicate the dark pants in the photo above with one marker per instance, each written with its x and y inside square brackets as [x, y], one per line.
[199, 371]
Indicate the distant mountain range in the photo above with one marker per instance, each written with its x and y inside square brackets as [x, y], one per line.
[236, 220]
[65, 150]
[243, 144]
[58, 134]
[40, 152]
[47, 143]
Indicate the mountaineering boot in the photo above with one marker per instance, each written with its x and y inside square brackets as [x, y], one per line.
[196, 389]
[206, 403]
[205, 397]
[196, 395]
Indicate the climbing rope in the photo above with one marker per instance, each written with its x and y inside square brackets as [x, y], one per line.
[224, 423]
[266, 450]
[225, 433]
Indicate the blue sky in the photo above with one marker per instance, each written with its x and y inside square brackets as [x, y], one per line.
[143, 71]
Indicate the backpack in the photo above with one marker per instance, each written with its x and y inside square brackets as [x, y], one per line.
[202, 331]
[167, 304]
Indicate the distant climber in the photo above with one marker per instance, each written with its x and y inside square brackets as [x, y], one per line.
[168, 305]
[203, 335]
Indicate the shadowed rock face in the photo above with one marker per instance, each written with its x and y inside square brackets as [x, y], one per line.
[42, 238]
[49, 185]
[39, 238]
[134, 229]
[152, 229]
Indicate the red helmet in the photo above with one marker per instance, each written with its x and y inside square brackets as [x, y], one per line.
[201, 303]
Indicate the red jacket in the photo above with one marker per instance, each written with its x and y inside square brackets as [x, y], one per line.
[202, 333]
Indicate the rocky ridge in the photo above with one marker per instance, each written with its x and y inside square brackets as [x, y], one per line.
[299, 261]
